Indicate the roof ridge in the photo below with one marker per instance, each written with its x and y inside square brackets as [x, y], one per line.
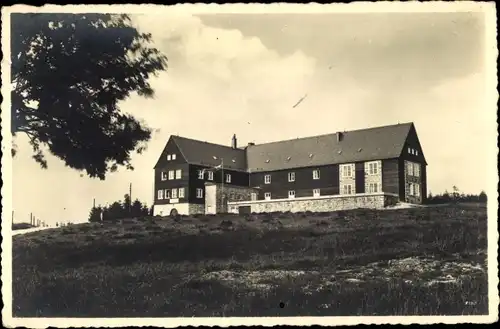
[179, 148]
[329, 134]
[205, 142]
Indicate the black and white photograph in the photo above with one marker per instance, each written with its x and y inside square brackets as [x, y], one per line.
[249, 164]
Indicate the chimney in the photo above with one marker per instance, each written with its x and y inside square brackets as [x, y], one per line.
[251, 144]
[339, 136]
[234, 144]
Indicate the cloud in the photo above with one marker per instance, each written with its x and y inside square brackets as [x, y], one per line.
[378, 51]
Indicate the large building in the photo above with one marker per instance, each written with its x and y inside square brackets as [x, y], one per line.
[367, 168]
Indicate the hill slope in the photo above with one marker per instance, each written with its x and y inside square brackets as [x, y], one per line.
[361, 262]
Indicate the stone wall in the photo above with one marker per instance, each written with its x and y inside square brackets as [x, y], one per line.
[376, 178]
[412, 179]
[196, 209]
[347, 180]
[319, 204]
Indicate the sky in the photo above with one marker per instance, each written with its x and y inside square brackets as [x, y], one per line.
[242, 74]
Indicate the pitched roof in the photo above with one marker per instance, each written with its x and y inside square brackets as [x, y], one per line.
[203, 153]
[356, 145]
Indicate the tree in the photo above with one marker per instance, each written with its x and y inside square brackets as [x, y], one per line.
[95, 214]
[115, 211]
[69, 72]
[456, 192]
[127, 204]
[137, 209]
[482, 197]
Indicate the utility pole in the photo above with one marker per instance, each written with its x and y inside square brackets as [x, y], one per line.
[12, 217]
[31, 218]
[93, 206]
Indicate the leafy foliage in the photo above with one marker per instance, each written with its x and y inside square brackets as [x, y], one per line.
[95, 214]
[119, 210]
[456, 197]
[69, 72]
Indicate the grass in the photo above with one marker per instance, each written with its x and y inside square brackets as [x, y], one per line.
[21, 226]
[429, 261]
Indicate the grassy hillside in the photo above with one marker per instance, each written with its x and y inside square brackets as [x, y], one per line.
[361, 262]
[21, 226]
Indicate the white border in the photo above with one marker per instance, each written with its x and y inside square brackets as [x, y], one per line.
[488, 8]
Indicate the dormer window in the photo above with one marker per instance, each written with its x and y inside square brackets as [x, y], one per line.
[288, 159]
[267, 161]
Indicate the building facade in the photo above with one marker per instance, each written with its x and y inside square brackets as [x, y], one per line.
[368, 168]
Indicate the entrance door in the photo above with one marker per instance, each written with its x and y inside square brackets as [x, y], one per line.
[210, 199]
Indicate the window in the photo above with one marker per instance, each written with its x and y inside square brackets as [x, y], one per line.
[267, 196]
[316, 192]
[171, 174]
[346, 170]
[178, 174]
[409, 150]
[267, 179]
[372, 168]
[210, 175]
[160, 194]
[347, 189]
[201, 174]
[416, 169]
[199, 193]
[291, 177]
[164, 175]
[174, 193]
[169, 157]
[253, 196]
[291, 194]
[168, 194]
[410, 168]
[416, 152]
[316, 174]
[373, 188]
[173, 156]
[181, 192]
[414, 189]
[228, 178]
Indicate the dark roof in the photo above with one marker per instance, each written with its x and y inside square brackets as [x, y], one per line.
[356, 145]
[202, 153]
[376, 143]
